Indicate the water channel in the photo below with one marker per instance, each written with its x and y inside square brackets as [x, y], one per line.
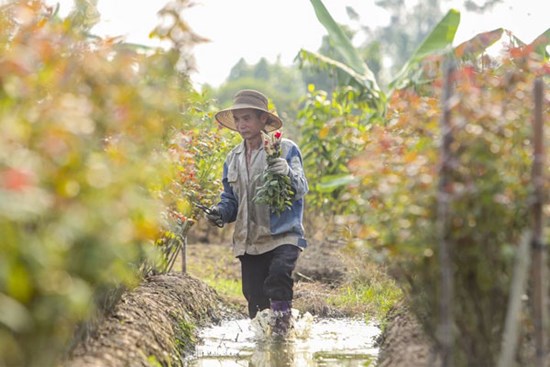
[313, 343]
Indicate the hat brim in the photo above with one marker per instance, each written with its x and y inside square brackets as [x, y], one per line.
[225, 118]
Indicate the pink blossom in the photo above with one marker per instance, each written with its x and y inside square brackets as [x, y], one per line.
[14, 179]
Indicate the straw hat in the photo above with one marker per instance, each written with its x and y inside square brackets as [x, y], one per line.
[248, 98]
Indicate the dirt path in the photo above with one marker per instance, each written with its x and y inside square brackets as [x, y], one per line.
[156, 323]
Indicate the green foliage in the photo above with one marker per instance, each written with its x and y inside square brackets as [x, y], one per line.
[377, 297]
[359, 76]
[407, 27]
[87, 178]
[364, 104]
[438, 41]
[324, 79]
[276, 191]
[366, 288]
[354, 68]
[187, 337]
[153, 361]
[333, 131]
[229, 288]
[344, 46]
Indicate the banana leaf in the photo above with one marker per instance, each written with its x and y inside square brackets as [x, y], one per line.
[439, 41]
[478, 44]
[332, 182]
[541, 43]
[346, 76]
[344, 46]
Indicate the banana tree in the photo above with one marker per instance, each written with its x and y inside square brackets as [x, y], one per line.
[438, 42]
[358, 72]
[355, 73]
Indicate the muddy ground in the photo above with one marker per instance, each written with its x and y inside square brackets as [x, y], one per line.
[320, 270]
[155, 324]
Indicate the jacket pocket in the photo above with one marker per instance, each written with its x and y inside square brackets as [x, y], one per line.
[232, 179]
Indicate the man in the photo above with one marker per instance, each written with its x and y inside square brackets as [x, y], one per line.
[266, 244]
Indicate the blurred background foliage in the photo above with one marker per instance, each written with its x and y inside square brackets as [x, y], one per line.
[490, 195]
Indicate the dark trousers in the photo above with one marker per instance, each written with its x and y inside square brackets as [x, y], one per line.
[268, 277]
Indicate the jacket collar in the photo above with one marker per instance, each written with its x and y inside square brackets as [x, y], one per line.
[240, 148]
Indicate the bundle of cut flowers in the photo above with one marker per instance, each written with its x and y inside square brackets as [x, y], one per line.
[276, 191]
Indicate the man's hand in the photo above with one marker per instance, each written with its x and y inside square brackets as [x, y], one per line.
[214, 216]
[279, 166]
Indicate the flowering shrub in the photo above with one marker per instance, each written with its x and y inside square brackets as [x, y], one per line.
[196, 155]
[276, 191]
[489, 195]
[85, 168]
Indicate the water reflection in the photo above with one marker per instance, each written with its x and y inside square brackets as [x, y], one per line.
[274, 353]
[315, 343]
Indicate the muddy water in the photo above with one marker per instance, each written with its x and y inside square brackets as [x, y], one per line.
[314, 342]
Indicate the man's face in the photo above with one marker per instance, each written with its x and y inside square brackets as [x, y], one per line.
[249, 122]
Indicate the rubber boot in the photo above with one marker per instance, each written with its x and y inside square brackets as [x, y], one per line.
[282, 311]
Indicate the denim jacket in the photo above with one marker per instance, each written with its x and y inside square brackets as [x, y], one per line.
[257, 230]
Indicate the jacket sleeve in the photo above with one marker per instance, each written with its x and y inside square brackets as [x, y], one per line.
[228, 205]
[296, 172]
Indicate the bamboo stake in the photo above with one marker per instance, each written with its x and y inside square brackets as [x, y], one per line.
[181, 245]
[184, 255]
[443, 209]
[517, 290]
[539, 249]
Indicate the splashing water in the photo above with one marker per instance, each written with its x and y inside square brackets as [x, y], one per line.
[262, 325]
[310, 343]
